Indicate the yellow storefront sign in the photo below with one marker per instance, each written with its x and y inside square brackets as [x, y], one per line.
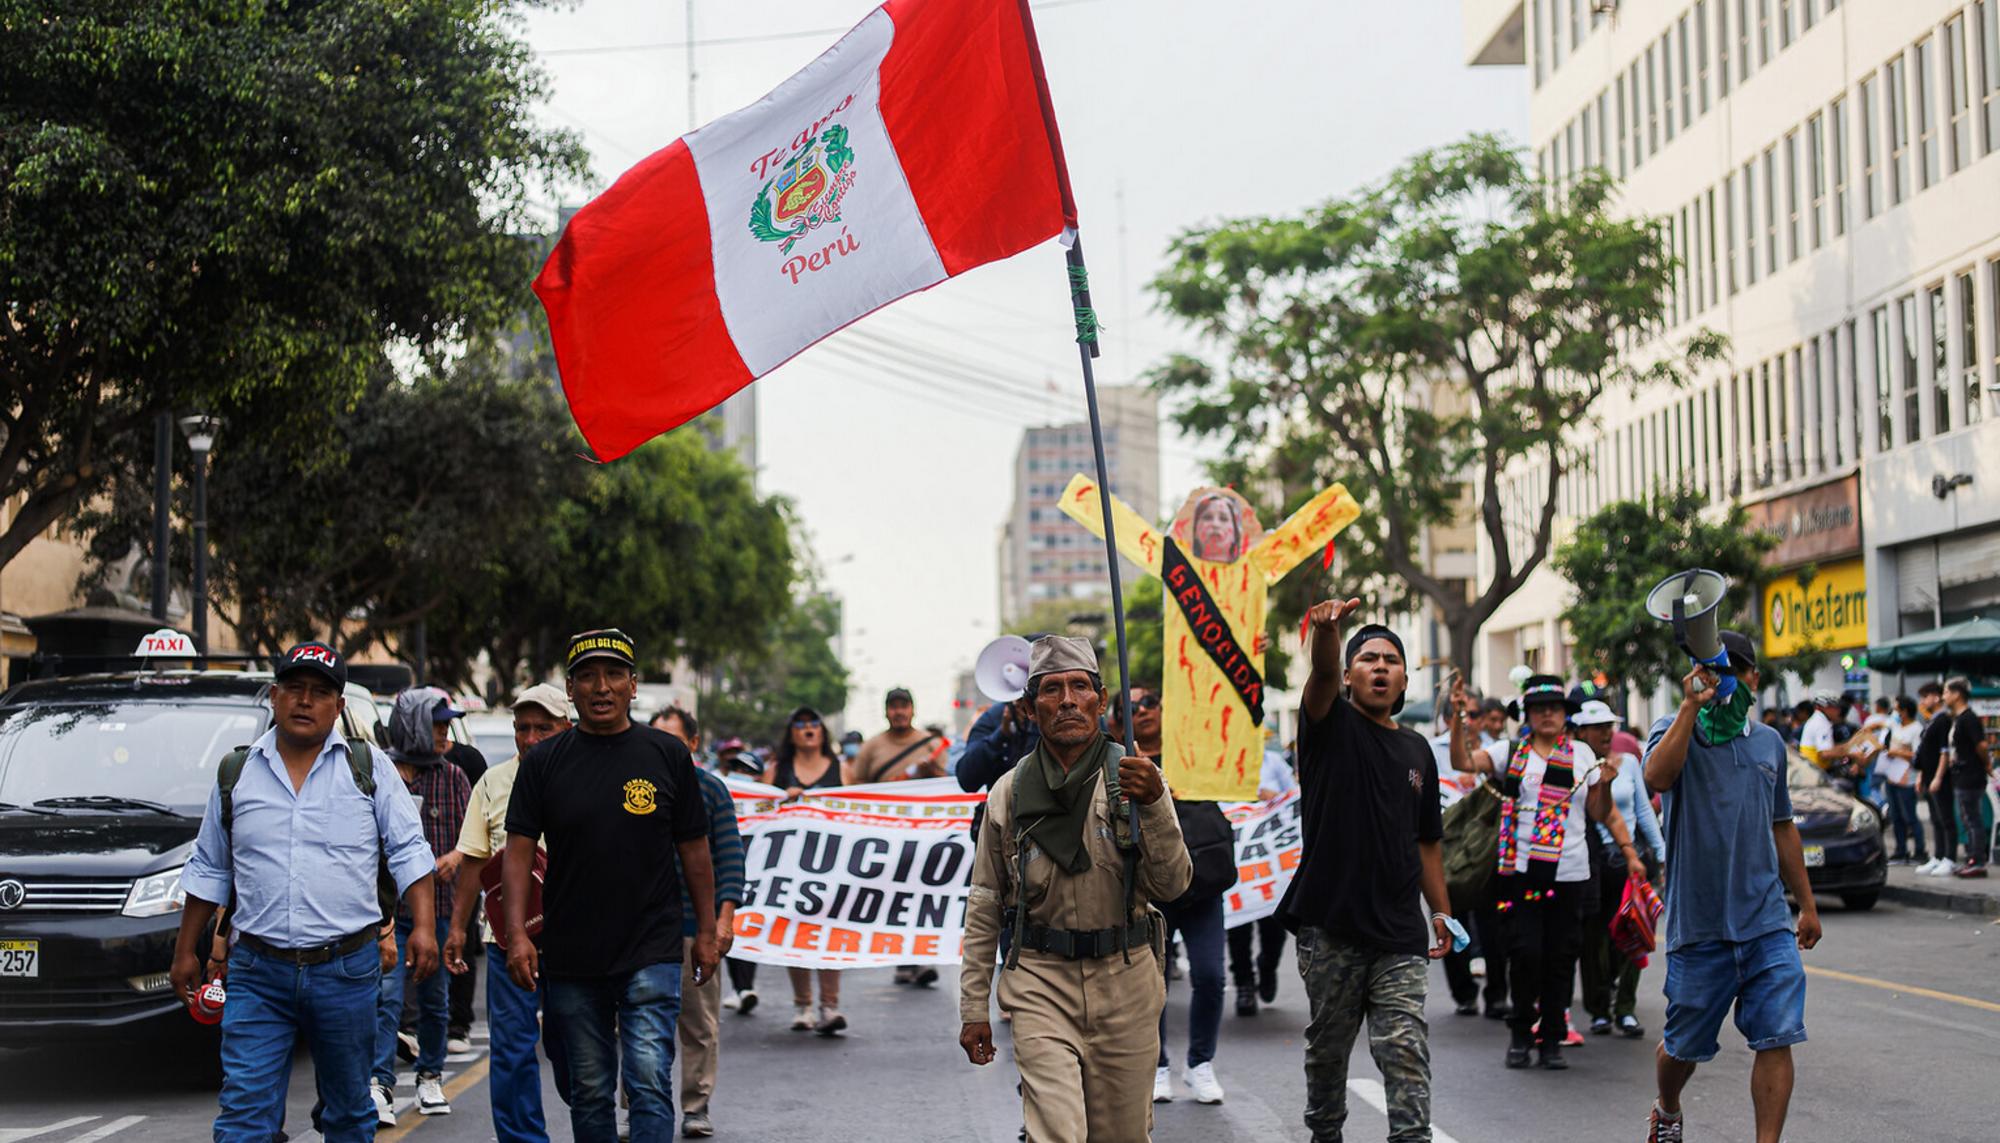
[1830, 613]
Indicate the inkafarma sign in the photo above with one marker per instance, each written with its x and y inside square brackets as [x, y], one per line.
[1826, 611]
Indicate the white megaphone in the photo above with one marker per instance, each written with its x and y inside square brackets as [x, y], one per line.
[1690, 600]
[1001, 672]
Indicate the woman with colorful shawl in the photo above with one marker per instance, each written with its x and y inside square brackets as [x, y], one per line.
[1549, 783]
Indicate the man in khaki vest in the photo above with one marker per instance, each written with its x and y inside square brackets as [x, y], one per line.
[1084, 980]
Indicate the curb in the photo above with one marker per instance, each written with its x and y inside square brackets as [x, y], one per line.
[1924, 897]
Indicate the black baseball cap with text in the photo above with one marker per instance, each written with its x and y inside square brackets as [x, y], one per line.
[316, 657]
[603, 643]
[896, 695]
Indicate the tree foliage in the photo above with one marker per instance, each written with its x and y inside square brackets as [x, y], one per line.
[791, 665]
[1624, 549]
[1456, 321]
[203, 202]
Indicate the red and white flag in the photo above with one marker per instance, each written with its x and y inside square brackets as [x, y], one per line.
[919, 146]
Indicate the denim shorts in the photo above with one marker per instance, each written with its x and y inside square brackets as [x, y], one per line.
[1763, 977]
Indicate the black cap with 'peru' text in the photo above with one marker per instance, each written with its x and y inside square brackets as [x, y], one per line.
[316, 657]
[605, 643]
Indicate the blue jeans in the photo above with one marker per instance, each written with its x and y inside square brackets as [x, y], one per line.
[271, 1004]
[601, 1022]
[1200, 927]
[1763, 977]
[1903, 817]
[433, 998]
[515, 1086]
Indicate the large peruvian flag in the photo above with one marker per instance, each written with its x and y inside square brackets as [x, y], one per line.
[919, 146]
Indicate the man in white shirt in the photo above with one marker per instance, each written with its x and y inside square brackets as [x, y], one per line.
[1816, 737]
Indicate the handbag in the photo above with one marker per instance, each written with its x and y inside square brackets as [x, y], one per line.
[1471, 839]
[1637, 920]
[496, 906]
[1211, 846]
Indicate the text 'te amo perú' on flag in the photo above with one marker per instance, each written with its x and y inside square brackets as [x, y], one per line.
[919, 146]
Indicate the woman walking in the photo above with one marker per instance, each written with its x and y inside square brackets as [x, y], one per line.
[1549, 784]
[806, 761]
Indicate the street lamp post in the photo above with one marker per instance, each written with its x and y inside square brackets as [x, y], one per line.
[163, 461]
[201, 429]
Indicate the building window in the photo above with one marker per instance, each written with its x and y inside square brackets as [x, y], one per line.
[1721, 49]
[1958, 85]
[1853, 379]
[1770, 210]
[1993, 316]
[1929, 171]
[1639, 116]
[1603, 130]
[1807, 14]
[1837, 155]
[1792, 180]
[1708, 236]
[1816, 396]
[1576, 25]
[1535, 39]
[1940, 367]
[1906, 326]
[1749, 224]
[1895, 102]
[1729, 231]
[1968, 350]
[1743, 29]
[1816, 180]
[1782, 415]
[1686, 76]
[1884, 384]
[1618, 90]
[1989, 53]
[1589, 138]
[1763, 33]
[1871, 151]
[1652, 101]
[1701, 53]
[1785, 23]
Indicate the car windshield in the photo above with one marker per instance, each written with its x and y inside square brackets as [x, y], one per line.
[163, 752]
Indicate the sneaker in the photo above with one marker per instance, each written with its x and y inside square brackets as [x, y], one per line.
[926, 977]
[1498, 1011]
[385, 1102]
[406, 1047]
[457, 1045]
[430, 1095]
[1246, 1002]
[831, 1022]
[746, 1002]
[905, 975]
[1468, 1008]
[1902, 859]
[1662, 1128]
[1201, 1080]
[1600, 1026]
[1969, 870]
[732, 1000]
[695, 1125]
[1267, 983]
[1518, 1046]
[1163, 1085]
[1552, 1058]
[1630, 1028]
[802, 1017]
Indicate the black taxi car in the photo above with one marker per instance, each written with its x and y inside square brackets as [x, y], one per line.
[103, 780]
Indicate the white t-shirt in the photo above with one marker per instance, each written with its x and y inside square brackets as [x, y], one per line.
[1574, 864]
[1894, 770]
[1817, 735]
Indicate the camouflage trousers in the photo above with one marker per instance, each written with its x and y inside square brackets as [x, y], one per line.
[1344, 983]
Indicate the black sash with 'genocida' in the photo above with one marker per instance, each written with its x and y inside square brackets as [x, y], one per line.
[1211, 628]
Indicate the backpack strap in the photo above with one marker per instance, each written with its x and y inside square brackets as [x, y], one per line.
[227, 773]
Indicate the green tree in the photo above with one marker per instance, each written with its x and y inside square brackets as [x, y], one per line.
[1618, 554]
[202, 201]
[753, 691]
[1453, 323]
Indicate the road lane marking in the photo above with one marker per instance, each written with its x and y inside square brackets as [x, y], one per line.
[1913, 990]
[452, 1091]
[15, 1134]
[109, 1129]
[1371, 1094]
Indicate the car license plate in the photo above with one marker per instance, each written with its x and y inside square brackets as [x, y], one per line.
[1815, 855]
[20, 958]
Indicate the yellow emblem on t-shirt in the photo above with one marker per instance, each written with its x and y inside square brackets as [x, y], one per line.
[639, 797]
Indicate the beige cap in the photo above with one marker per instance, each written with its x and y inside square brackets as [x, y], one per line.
[547, 696]
[1053, 653]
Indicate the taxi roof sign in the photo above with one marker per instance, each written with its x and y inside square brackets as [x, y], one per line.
[166, 643]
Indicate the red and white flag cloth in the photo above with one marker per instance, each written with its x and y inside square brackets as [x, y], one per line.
[921, 145]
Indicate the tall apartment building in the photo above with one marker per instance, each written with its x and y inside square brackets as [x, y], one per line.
[1826, 172]
[1044, 555]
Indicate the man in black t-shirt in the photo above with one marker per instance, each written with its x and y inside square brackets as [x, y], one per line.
[1971, 769]
[1928, 763]
[617, 801]
[1372, 825]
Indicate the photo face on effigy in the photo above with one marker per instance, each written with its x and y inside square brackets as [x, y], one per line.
[1216, 525]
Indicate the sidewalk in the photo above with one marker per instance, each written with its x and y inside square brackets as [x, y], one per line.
[1979, 898]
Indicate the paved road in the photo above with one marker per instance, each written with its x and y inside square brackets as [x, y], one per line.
[1893, 992]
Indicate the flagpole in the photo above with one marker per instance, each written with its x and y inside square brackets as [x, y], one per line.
[1086, 344]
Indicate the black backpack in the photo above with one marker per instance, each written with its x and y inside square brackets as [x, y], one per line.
[1211, 846]
[360, 766]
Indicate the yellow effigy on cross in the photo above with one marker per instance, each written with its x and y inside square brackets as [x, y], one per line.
[1217, 569]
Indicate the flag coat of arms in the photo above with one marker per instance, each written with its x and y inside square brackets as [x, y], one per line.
[919, 146]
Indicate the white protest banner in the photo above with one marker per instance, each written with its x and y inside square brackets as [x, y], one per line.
[1268, 844]
[855, 877]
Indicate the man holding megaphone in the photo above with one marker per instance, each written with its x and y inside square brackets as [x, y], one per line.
[1732, 851]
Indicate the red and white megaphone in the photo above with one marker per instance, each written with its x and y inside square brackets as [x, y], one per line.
[1001, 672]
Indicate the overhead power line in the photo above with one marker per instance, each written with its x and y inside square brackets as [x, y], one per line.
[729, 41]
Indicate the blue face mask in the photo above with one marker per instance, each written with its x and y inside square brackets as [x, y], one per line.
[850, 749]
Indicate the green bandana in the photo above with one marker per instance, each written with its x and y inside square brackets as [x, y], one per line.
[1721, 722]
[1052, 805]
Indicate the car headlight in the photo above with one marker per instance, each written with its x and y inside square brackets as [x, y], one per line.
[1863, 819]
[156, 895]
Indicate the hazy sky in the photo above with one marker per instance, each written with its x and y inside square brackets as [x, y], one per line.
[895, 438]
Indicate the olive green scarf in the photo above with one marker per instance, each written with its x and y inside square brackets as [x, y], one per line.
[1052, 805]
[1720, 722]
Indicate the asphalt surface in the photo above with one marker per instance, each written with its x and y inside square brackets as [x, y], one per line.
[1903, 1012]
